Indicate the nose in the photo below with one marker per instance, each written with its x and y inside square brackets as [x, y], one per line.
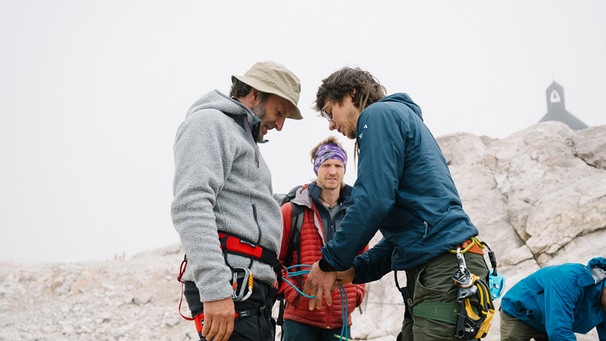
[332, 125]
[280, 123]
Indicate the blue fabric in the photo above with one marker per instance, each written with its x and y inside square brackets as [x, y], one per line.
[560, 300]
[404, 189]
[597, 262]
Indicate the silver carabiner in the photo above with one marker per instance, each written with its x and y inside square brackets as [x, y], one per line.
[462, 277]
[242, 284]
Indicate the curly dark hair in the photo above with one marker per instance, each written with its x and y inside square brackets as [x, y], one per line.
[364, 88]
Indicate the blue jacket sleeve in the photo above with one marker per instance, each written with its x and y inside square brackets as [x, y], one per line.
[381, 160]
[560, 297]
[374, 263]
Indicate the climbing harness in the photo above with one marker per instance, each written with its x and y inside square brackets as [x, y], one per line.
[242, 280]
[234, 244]
[473, 310]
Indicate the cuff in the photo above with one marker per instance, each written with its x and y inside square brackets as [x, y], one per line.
[325, 266]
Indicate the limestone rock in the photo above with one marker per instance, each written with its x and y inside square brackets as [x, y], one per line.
[538, 197]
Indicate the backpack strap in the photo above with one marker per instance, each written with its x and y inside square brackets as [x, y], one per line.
[294, 244]
[298, 213]
[297, 218]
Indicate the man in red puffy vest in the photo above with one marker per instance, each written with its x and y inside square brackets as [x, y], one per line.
[323, 204]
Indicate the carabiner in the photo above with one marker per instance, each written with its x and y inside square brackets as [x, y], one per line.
[242, 283]
[462, 277]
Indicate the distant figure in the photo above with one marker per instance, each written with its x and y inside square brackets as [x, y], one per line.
[555, 302]
[556, 109]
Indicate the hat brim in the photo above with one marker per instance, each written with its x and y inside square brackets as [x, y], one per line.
[294, 114]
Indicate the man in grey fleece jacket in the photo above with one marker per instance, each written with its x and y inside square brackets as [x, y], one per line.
[222, 183]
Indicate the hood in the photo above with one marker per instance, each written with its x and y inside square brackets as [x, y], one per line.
[303, 196]
[597, 267]
[230, 107]
[406, 100]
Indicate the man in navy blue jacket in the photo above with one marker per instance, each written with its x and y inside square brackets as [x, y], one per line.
[555, 302]
[404, 189]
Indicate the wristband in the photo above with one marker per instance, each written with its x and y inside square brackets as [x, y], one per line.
[325, 266]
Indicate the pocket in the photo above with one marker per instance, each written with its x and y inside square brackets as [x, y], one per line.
[434, 284]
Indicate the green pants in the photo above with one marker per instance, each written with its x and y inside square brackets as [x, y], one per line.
[432, 282]
[513, 329]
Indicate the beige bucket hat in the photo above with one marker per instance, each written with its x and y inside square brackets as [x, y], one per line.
[273, 78]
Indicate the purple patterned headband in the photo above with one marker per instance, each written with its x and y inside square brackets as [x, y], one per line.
[329, 151]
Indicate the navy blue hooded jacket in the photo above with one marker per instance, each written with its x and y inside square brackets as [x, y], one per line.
[404, 189]
[559, 300]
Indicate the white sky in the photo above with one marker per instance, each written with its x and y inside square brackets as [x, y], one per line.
[92, 93]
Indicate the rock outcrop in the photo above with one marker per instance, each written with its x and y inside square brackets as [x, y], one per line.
[538, 198]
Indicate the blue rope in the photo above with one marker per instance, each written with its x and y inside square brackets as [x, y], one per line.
[342, 296]
[297, 273]
[344, 310]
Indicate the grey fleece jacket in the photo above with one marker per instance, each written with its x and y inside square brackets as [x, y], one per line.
[222, 184]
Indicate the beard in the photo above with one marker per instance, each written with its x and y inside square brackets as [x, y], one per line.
[259, 110]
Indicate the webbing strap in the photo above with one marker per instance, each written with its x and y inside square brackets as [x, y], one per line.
[440, 311]
[232, 243]
[239, 314]
[473, 245]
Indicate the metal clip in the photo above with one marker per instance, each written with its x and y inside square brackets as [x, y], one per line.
[242, 283]
[462, 277]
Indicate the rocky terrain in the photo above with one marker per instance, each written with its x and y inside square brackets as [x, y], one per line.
[538, 198]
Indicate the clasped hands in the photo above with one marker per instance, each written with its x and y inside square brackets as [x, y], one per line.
[320, 284]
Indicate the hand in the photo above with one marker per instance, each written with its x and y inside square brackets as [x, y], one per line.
[346, 277]
[318, 284]
[218, 319]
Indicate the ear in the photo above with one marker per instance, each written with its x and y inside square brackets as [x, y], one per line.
[256, 94]
[251, 98]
